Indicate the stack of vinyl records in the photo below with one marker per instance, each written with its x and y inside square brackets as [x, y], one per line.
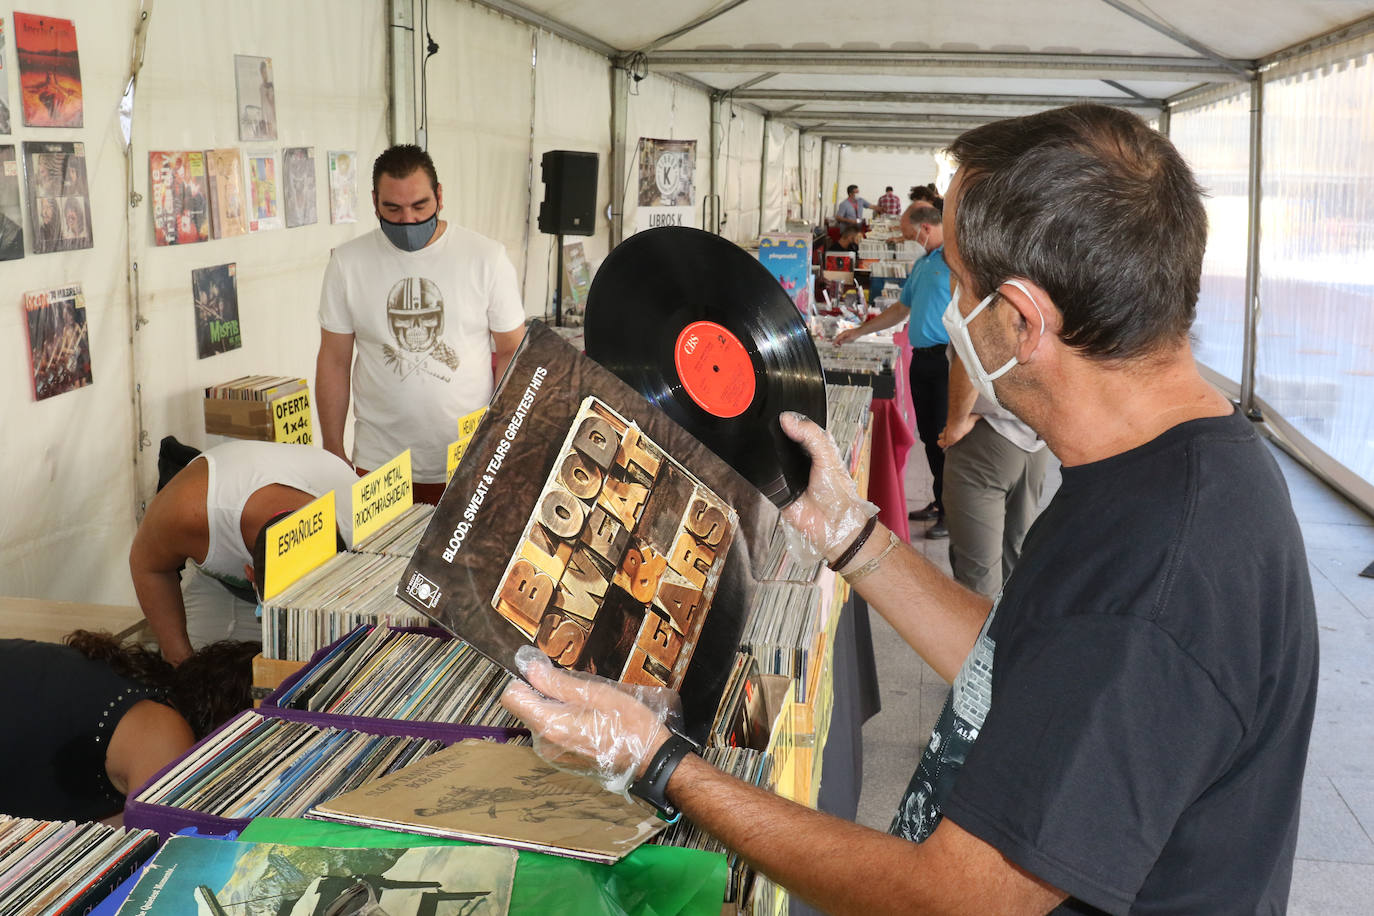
[380, 672]
[59, 867]
[749, 765]
[256, 388]
[782, 629]
[849, 416]
[866, 362]
[347, 590]
[785, 564]
[399, 537]
[742, 716]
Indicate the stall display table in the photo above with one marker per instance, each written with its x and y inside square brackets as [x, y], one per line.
[49, 621]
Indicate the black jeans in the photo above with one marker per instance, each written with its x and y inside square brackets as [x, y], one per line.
[930, 399]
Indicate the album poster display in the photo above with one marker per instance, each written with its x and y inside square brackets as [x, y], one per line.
[181, 205]
[667, 189]
[215, 291]
[4, 83]
[224, 181]
[788, 258]
[343, 186]
[584, 521]
[11, 221]
[59, 203]
[257, 97]
[298, 178]
[49, 70]
[59, 345]
[262, 188]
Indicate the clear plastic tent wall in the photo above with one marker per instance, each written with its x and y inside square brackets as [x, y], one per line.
[1315, 350]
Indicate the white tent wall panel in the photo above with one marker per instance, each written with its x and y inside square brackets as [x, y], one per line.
[810, 177]
[741, 154]
[831, 189]
[776, 178]
[873, 168]
[664, 109]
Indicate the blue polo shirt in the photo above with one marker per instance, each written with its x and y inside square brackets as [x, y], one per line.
[926, 293]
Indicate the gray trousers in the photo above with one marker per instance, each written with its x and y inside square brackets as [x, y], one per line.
[992, 491]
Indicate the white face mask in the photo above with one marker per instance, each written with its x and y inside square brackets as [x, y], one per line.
[957, 324]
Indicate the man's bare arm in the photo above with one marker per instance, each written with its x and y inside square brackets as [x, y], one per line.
[962, 397]
[503, 345]
[889, 317]
[173, 530]
[333, 368]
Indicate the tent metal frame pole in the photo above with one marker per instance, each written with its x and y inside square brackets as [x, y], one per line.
[619, 164]
[1170, 32]
[801, 173]
[1252, 254]
[937, 98]
[401, 71]
[763, 169]
[714, 197]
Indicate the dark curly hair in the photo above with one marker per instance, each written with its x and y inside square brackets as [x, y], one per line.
[206, 689]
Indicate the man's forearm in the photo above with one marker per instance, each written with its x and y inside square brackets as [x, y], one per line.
[159, 595]
[332, 391]
[889, 317]
[962, 394]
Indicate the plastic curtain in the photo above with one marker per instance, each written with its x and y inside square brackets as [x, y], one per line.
[1214, 138]
[1314, 359]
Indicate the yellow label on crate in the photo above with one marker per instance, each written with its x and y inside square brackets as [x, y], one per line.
[467, 423]
[381, 496]
[455, 455]
[299, 543]
[291, 418]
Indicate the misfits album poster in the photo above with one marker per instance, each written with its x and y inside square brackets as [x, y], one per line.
[584, 521]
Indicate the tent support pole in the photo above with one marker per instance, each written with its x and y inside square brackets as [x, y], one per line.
[1252, 254]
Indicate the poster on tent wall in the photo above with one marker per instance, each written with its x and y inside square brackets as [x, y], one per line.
[667, 189]
[181, 206]
[215, 291]
[59, 207]
[49, 70]
[262, 188]
[257, 97]
[59, 347]
[11, 225]
[343, 186]
[4, 84]
[224, 180]
[298, 180]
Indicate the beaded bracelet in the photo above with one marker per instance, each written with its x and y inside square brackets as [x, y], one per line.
[852, 550]
[872, 565]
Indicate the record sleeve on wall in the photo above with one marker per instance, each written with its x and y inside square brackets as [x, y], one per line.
[59, 345]
[343, 186]
[59, 206]
[298, 176]
[181, 208]
[224, 181]
[262, 187]
[49, 70]
[667, 190]
[4, 83]
[215, 291]
[11, 222]
[257, 97]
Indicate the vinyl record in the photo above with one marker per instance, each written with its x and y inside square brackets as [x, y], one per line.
[704, 332]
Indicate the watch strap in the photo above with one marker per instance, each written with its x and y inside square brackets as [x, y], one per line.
[652, 786]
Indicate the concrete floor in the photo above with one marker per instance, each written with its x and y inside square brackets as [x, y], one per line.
[1334, 871]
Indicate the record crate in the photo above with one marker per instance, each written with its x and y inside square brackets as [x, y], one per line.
[260, 407]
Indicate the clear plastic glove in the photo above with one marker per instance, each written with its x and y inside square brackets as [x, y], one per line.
[587, 725]
[830, 514]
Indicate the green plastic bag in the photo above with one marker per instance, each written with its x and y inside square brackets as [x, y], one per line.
[651, 881]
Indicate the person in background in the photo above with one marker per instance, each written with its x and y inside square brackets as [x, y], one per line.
[889, 204]
[88, 722]
[850, 211]
[922, 303]
[422, 302]
[921, 198]
[207, 518]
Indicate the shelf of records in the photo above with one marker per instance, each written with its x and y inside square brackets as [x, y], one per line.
[268, 408]
[867, 362]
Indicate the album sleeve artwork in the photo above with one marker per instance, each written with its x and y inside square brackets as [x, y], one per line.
[11, 223]
[59, 203]
[215, 291]
[616, 566]
[49, 70]
[4, 84]
[59, 345]
[181, 206]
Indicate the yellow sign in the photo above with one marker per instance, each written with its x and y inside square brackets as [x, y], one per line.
[299, 543]
[467, 423]
[291, 418]
[455, 455]
[381, 496]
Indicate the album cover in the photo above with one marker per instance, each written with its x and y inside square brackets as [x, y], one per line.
[577, 276]
[11, 221]
[59, 346]
[59, 205]
[257, 97]
[194, 874]
[502, 794]
[262, 185]
[585, 521]
[4, 84]
[49, 70]
[181, 205]
[216, 294]
[224, 182]
[298, 176]
[788, 258]
[343, 186]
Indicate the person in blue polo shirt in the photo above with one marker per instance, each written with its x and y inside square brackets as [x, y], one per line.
[924, 297]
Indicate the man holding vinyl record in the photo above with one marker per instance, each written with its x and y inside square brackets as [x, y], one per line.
[1128, 721]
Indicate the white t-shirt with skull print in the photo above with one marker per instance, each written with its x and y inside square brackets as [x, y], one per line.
[420, 321]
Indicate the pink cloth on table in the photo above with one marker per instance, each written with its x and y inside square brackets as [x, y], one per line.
[892, 439]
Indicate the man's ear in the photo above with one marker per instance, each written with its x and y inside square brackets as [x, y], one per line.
[1038, 319]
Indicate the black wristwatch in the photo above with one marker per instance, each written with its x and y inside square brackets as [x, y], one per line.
[652, 787]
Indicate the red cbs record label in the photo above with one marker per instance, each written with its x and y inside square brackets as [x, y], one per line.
[715, 369]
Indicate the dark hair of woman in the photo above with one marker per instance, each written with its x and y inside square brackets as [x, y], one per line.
[207, 688]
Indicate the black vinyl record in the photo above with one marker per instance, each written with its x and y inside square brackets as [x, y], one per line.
[705, 333]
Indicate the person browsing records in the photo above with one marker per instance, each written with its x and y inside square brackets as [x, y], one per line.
[850, 211]
[409, 316]
[1128, 721]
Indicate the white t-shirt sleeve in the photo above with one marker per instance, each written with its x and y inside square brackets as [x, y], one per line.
[505, 310]
[334, 314]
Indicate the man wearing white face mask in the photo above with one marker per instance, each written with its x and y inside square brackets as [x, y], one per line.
[994, 471]
[424, 303]
[1128, 722]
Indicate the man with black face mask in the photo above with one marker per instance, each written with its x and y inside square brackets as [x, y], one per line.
[425, 303]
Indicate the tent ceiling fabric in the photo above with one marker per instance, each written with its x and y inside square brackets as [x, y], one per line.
[938, 58]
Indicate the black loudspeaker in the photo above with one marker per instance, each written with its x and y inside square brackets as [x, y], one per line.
[569, 205]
